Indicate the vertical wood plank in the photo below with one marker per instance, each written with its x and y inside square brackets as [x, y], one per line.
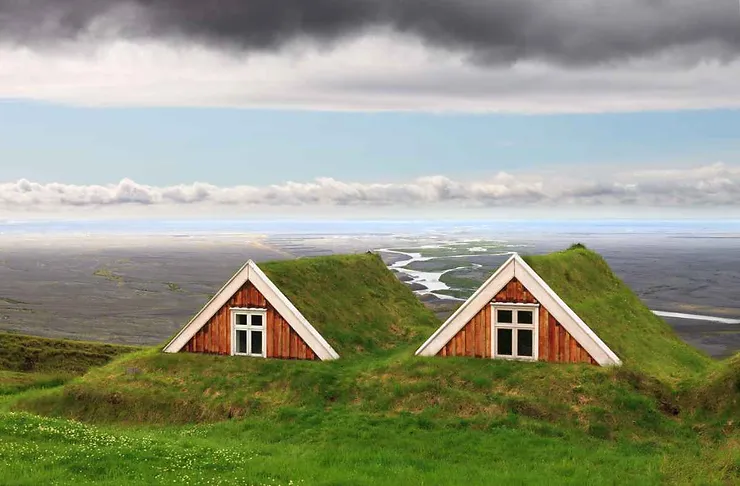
[479, 338]
[573, 350]
[469, 339]
[292, 353]
[286, 339]
[269, 328]
[544, 337]
[226, 323]
[487, 328]
[561, 343]
[566, 348]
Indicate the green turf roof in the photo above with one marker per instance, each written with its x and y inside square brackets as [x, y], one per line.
[354, 301]
[642, 340]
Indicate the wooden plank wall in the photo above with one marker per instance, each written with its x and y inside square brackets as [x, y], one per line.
[474, 339]
[282, 340]
[556, 345]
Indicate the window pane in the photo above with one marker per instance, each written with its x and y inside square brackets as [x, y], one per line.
[525, 317]
[257, 319]
[524, 342]
[241, 319]
[241, 342]
[503, 341]
[504, 316]
[256, 343]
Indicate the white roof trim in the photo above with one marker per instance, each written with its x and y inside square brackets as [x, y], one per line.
[517, 267]
[250, 272]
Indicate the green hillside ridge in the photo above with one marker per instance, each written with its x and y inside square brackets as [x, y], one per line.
[642, 340]
[22, 353]
[354, 301]
[30, 362]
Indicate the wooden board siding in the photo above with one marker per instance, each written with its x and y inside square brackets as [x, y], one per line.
[556, 345]
[515, 293]
[282, 340]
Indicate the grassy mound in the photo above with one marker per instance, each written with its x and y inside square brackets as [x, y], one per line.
[152, 387]
[354, 301]
[642, 340]
[22, 353]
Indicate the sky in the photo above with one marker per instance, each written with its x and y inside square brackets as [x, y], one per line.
[370, 108]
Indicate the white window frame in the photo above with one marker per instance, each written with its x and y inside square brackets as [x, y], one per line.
[515, 326]
[249, 312]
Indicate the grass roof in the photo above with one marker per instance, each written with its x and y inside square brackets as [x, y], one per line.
[354, 301]
[583, 279]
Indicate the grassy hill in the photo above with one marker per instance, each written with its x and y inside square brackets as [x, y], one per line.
[353, 301]
[382, 416]
[641, 339]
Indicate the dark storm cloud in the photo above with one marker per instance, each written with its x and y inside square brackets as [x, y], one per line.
[490, 31]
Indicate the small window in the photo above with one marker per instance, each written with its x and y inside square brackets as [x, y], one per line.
[249, 333]
[515, 331]
[504, 342]
[504, 316]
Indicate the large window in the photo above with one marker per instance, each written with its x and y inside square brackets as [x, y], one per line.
[249, 332]
[515, 331]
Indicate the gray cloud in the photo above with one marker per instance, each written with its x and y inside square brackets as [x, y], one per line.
[569, 32]
[707, 186]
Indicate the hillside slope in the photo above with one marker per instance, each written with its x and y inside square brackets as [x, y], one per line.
[22, 353]
[718, 393]
[642, 340]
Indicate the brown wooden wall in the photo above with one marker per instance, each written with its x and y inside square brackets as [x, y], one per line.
[556, 345]
[282, 340]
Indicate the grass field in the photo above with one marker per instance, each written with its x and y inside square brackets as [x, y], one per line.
[382, 416]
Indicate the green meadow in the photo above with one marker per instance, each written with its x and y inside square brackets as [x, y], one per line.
[378, 415]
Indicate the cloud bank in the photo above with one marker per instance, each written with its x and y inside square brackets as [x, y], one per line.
[463, 55]
[711, 186]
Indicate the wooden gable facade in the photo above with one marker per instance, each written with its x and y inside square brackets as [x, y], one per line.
[554, 333]
[216, 335]
[555, 344]
[251, 311]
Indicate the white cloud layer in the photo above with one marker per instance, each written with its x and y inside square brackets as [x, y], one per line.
[378, 71]
[712, 186]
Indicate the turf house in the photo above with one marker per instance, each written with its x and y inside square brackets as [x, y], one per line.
[307, 309]
[515, 314]
[250, 316]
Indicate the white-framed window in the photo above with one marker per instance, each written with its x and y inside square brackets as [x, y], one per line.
[249, 336]
[515, 331]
